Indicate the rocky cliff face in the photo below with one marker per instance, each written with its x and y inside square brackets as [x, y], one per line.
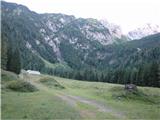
[59, 38]
[144, 31]
[49, 31]
[114, 29]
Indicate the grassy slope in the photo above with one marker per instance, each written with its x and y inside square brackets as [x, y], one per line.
[145, 105]
[35, 105]
[55, 65]
[45, 104]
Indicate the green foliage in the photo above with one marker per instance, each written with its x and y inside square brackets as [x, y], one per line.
[15, 33]
[87, 59]
[35, 105]
[14, 62]
[72, 56]
[134, 62]
[21, 86]
[137, 95]
[4, 49]
[8, 76]
[51, 82]
[143, 75]
[141, 105]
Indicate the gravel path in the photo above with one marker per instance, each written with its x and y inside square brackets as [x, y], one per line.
[72, 100]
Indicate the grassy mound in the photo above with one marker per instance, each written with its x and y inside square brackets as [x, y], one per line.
[122, 94]
[21, 86]
[8, 76]
[51, 82]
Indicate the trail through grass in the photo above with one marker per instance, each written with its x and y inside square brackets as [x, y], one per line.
[73, 100]
[42, 104]
[99, 106]
[59, 98]
[145, 104]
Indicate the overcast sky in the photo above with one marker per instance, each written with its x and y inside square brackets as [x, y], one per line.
[129, 14]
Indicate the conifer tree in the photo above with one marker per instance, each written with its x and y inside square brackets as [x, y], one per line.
[4, 53]
[14, 61]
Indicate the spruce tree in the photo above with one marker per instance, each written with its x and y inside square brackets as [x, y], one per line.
[17, 61]
[14, 62]
[4, 53]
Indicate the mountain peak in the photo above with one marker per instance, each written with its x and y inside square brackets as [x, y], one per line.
[145, 30]
[114, 29]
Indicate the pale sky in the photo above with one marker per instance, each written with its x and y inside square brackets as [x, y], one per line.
[129, 14]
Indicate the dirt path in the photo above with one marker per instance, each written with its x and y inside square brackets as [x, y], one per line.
[72, 100]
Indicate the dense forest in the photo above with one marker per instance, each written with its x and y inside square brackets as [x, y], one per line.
[125, 61]
[139, 63]
[140, 68]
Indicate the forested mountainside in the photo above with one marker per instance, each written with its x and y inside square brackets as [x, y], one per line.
[76, 48]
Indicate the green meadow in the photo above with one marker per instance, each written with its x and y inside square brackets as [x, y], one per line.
[53, 97]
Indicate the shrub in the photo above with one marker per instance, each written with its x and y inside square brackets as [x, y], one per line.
[21, 86]
[119, 93]
[51, 82]
[8, 76]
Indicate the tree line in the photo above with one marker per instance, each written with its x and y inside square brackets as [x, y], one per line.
[10, 57]
[144, 75]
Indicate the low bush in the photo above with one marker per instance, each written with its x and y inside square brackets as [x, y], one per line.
[123, 94]
[21, 86]
[8, 76]
[51, 82]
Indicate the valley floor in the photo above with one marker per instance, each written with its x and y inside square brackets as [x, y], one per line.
[59, 98]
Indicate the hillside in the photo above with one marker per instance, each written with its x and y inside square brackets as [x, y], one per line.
[59, 98]
[77, 48]
[48, 35]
